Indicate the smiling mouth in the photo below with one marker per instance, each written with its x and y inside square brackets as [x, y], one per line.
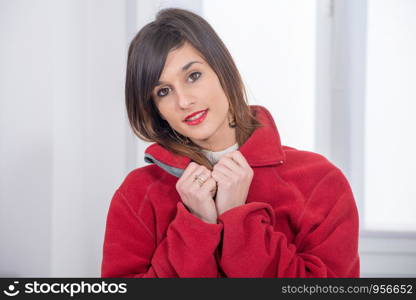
[196, 119]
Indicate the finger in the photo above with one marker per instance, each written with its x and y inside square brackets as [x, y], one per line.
[195, 170]
[210, 186]
[200, 171]
[230, 164]
[238, 157]
[190, 169]
[204, 174]
[220, 176]
[213, 192]
[225, 171]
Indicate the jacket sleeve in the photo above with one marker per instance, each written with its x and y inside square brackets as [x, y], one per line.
[325, 242]
[130, 250]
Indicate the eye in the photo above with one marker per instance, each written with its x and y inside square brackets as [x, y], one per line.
[194, 76]
[163, 92]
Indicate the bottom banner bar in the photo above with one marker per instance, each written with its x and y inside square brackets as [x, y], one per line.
[80, 288]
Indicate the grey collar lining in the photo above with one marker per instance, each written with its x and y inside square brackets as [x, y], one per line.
[171, 170]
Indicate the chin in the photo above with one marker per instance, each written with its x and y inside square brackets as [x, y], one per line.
[204, 133]
[201, 137]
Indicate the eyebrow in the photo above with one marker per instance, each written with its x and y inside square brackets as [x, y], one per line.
[184, 68]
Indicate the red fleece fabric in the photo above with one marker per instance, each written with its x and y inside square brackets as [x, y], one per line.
[300, 219]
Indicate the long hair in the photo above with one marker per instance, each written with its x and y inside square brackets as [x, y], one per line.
[146, 58]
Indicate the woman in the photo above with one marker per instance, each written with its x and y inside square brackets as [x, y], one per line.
[222, 197]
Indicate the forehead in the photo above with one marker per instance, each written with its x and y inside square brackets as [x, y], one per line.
[179, 57]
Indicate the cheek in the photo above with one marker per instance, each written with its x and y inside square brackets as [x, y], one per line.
[167, 112]
[221, 96]
[221, 101]
[217, 94]
[164, 112]
[211, 86]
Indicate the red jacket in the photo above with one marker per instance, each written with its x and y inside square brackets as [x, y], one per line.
[300, 219]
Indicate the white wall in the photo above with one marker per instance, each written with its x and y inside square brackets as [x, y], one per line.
[62, 132]
[361, 114]
[390, 116]
[25, 139]
[273, 45]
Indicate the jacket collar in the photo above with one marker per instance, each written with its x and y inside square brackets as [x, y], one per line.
[262, 148]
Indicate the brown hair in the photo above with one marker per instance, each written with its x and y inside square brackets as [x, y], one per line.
[146, 58]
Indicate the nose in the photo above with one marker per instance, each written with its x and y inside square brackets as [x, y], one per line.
[185, 100]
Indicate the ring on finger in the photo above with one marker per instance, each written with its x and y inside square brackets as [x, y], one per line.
[199, 179]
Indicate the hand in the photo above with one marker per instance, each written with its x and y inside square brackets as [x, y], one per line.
[233, 176]
[198, 196]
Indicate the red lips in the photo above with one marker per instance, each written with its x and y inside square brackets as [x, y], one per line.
[193, 114]
[198, 120]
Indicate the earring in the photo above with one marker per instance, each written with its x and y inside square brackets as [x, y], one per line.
[232, 123]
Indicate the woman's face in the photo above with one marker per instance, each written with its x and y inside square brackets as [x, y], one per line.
[187, 86]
